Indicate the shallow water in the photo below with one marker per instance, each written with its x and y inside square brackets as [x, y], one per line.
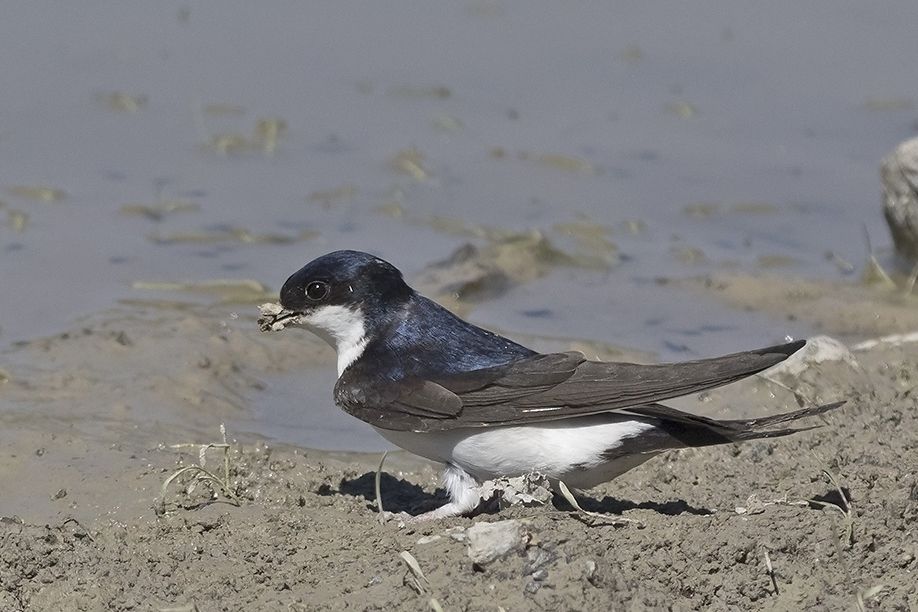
[705, 136]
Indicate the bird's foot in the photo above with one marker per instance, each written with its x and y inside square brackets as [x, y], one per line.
[400, 517]
[449, 510]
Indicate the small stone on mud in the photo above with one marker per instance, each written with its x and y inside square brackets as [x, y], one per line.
[456, 533]
[488, 542]
[589, 569]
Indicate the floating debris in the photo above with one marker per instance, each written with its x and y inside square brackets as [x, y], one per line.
[231, 234]
[446, 225]
[592, 241]
[631, 54]
[391, 209]
[701, 209]
[436, 91]
[635, 226]
[39, 193]
[410, 162]
[474, 273]
[447, 123]
[268, 133]
[458, 227]
[565, 163]
[776, 261]
[509, 257]
[329, 198]
[683, 110]
[156, 212]
[170, 305]
[218, 109]
[122, 102]
[227, 290]
[889, 104]
[229, 144]
[709, 209]
[217, 285]
[17, 220]
[485, 9]
[755, 208]
[688, 255]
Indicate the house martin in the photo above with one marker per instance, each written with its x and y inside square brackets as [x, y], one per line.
[487, 407]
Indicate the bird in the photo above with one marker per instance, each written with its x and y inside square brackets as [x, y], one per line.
[488, 407]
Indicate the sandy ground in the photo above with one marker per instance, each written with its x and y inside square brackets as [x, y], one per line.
[89, 419]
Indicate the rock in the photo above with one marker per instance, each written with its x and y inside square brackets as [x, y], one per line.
[899, 174]
[818, 349]
[457, 534]
[488, 542]
[823, 371]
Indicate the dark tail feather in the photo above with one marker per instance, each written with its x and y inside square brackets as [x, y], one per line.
[682, 429]
[786, 350]
[751, 429]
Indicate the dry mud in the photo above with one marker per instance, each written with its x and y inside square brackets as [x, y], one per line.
[89, 419]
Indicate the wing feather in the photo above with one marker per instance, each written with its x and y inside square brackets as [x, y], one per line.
[544, 387]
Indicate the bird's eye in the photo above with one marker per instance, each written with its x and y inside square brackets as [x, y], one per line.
[317, 290]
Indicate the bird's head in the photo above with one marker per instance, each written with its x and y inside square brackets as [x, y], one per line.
[341, 296]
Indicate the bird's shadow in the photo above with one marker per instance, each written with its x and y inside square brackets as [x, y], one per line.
[613, 505]
[834, 497]
[400, 495]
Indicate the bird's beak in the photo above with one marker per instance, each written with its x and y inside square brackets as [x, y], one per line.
[275, 317]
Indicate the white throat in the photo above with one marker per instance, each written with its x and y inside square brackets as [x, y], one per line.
[341, 327]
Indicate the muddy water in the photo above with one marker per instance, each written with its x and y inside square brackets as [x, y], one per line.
[168, 142]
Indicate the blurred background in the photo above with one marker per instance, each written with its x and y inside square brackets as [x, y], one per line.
[207, 150]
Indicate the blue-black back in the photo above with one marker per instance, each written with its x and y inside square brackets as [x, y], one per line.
[422, 339]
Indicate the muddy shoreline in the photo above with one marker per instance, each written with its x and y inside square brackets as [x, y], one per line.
[83, 467]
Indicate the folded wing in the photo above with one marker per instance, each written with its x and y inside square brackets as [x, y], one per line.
[542, 388]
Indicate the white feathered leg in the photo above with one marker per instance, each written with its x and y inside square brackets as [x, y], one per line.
[464, 495]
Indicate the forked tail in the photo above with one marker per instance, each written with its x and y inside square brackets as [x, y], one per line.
[751, 429]
[686, 429]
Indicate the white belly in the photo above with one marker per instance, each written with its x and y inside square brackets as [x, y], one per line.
[570, 450]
